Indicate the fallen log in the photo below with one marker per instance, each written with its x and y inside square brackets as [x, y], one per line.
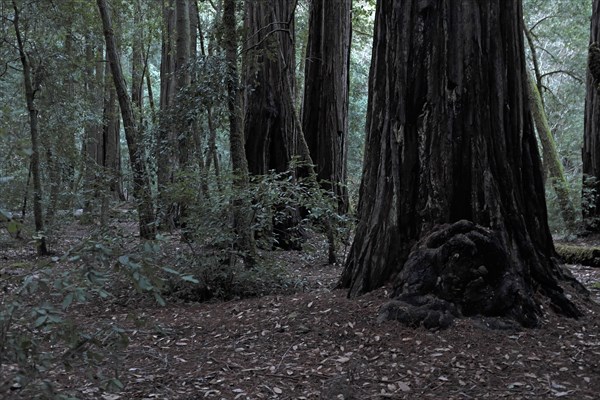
[577, 254]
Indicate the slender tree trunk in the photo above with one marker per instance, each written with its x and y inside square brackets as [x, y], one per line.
[182, 78]
[93, 144]
[109, 153]
[30, 92]
[452, 208]
[241, 204]
[550, 157]
[141, 182]
[196, 133]
[138, 69]
[151, 99]
[54, 180]
[137, 64]
[212, 157]
[590, 199]
[166, 156]
[326, 94]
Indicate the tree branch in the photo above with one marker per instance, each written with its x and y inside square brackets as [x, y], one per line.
[562, 71]
[542, 20]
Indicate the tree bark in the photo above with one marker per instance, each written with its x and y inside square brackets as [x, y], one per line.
[326, 94]
[452, 168]
[141, 182]
[590, 199]
[269, 128]
[273, 130]
[30, 92]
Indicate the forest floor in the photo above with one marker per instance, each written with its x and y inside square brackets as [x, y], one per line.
[315, 343]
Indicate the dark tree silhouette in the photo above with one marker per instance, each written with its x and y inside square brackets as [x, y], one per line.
[269, 129]
[452, 207]
[325, 109]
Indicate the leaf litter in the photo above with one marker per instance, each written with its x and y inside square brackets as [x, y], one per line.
[318, 344]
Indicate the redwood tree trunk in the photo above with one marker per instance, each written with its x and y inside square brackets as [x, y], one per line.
[325, 110]
[272, 127]
[590, 206]
[269, 64]
[452, 168]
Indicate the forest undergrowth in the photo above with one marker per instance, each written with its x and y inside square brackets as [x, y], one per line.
[287, 335]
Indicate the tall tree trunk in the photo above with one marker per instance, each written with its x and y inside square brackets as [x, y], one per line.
[241, 204]
[269, 128]
[141, 182]
[138, 68]
[273, 130]
[196, 132]
[212, 157]
[30, 92]
[182, 78]
[137, 64]
[93, 132]
[550, 157]
[590, 199]
[459, 181]
[326, 94]
[110, 153]
[166, 156]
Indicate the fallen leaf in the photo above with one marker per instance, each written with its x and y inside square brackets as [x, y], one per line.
[403, 386]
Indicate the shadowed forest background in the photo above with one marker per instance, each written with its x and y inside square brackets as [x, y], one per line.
[218, 198]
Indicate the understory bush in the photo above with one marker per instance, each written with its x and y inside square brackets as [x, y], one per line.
[208, 230]
[41, 334]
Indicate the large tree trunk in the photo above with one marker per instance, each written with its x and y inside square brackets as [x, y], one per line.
[141, 181]
[273, 130]
[590, 199]
[30, 92]
[325, 110]
[269, 65]
[452, 168]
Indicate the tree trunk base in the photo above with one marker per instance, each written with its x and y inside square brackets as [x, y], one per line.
[464, 269]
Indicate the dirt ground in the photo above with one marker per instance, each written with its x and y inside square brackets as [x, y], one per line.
[316, 343]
